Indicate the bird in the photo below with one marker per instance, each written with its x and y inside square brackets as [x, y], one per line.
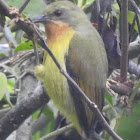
[79, 50]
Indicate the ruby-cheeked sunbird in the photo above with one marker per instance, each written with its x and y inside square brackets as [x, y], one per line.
[80, 51]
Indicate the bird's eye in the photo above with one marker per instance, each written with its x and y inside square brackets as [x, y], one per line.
[58, 13]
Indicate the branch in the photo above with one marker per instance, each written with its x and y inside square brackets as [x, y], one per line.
[124, 39]
[40, 123]
[5, 10]
[13, 28]
[35, 49]
[134, 69]
[9, 37]
[120, 88]
[22, 85]
[134, 49]
[4, 111]
[16, 116]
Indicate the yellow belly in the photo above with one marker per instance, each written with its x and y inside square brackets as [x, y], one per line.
[58, 90]
[55, 83]
[57, 86]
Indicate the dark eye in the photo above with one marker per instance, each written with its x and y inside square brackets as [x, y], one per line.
[58, 13]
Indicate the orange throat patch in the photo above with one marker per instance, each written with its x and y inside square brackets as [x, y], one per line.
[56, 29]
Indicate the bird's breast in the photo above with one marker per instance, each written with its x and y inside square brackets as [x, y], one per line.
[59, 45]
[55, 83]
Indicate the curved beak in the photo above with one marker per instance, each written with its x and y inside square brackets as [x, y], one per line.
[41, 19]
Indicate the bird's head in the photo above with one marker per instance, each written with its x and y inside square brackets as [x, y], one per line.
[62, 12]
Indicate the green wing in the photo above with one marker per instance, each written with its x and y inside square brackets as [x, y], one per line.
[86, 63]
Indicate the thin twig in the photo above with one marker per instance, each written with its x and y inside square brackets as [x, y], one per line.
[135, 6]
[13, 28]
[9, 37]
[4, 9]
[17, 87]
[23, 6]
[57, 132]
[131, 30]
[124, 39]
[118, 1]
[98, 6]
[138, 23]
[134, 49]
[134, 93]
[35, 49]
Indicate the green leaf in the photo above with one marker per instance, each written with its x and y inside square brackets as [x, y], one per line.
[23, 15]
[84, 2]
[11, 82]
[116, 6]
[36, 136]
[128, 126]
[35, 115]
[89, 1]
[48, 112]
[50, 126]
[109, 98]
[3, 84]
[131, 16]
[10, 85]
[25, 46]
[136, 27]
[8, 97]
[2, 54]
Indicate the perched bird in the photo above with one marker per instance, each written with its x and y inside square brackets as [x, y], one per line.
[80, 51]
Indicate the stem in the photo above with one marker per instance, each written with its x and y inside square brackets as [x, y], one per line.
[124, 39]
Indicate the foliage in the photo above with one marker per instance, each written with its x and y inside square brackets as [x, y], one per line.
[3, 85]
